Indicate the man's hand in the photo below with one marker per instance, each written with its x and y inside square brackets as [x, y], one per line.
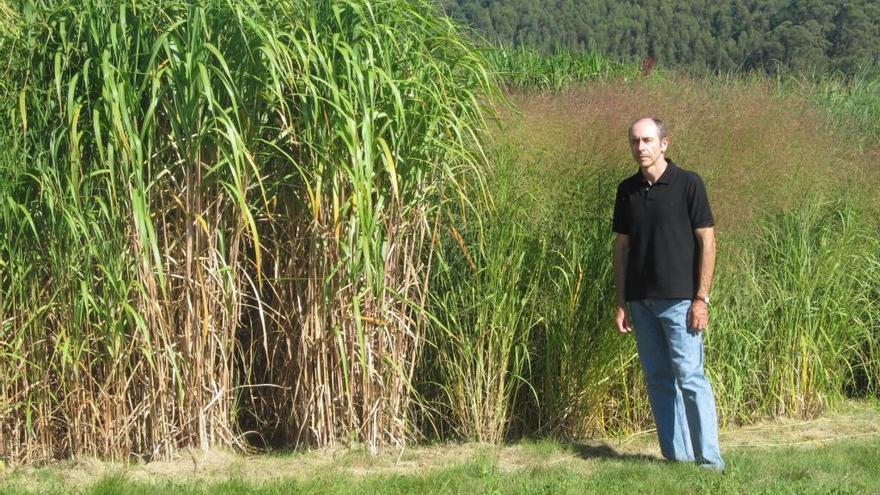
[699, 317]
[622, 319]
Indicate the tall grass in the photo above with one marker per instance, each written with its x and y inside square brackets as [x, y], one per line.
[482, 297]
[799, 314]
[852, 101]
[523, 68]
[795, 325]
[520, 300]
[217, 216]
[794, 329]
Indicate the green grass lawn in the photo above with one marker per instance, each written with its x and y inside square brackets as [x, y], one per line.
[837, 454]
[845, 466]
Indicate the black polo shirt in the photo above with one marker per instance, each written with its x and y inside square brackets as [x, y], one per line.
[660, 220]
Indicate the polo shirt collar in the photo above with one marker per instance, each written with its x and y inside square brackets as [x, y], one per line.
[666, 177]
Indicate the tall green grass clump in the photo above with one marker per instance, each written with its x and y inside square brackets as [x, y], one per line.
[581, 362]
[216, 218]
[488, 275]
[528, 69]
[799, 315]
[852, 101]
[520, 296]
[794, 322]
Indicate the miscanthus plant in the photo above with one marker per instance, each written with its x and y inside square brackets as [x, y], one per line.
[216, 218]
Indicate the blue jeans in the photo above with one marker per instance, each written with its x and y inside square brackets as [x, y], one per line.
[681, 396]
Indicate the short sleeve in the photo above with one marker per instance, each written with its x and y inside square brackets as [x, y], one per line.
[620, 223]
[698, 204]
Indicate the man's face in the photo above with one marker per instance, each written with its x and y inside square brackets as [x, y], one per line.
[645, 143]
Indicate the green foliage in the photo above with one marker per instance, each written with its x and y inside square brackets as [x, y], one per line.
[729, 35]
[852, 101]
[486, 279]
[213, 218]
[519, 294]
[522, 68]
[804, 292]
[841, 467]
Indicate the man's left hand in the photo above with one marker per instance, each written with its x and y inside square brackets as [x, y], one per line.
[699, 317]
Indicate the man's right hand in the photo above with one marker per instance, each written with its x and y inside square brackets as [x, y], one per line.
[624, 326]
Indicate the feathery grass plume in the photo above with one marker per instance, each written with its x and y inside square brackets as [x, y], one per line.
[216, 216]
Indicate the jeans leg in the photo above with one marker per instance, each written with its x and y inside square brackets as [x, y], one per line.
[666, 400]
[686, 354]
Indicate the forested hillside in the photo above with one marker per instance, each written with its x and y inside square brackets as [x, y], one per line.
[803, 35]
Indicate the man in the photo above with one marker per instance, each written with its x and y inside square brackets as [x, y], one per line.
[664, 259]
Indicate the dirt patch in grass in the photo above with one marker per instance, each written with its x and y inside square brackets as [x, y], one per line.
[856, 419]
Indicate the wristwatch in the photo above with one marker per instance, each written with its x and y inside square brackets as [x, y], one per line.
[702, 298]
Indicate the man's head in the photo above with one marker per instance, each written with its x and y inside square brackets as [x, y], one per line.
[648, 141]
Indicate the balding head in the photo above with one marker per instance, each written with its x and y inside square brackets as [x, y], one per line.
[648, 143]
[662, 133]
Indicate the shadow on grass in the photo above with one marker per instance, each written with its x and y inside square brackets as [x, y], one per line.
[606, 452]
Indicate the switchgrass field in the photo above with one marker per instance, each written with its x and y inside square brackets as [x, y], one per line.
[795, 202]
[264, 225]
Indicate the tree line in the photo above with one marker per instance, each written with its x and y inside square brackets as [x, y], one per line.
[723, 35]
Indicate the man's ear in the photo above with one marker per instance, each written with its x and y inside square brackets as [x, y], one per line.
[664, 143]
